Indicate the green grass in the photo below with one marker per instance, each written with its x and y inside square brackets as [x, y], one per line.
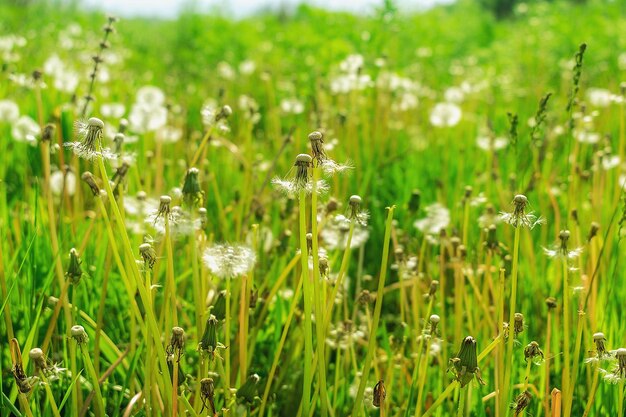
[501, 68]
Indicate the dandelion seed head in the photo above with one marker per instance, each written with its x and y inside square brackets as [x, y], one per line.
[229, 261]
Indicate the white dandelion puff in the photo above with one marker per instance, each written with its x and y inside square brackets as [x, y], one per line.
[229, 261]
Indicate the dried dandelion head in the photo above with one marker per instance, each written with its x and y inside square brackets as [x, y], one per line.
[89, 139]
[176, 347]
[148, 254]
[519, 216]
[533, 352]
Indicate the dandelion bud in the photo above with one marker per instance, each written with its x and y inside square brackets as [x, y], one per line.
[462, 252]
[521, 402]
[202, 214]
[465, 364]
[365, 297]
[118, 139]
[551, 303]
[564, 237]
[492, 239]
[47, 133]
[207, 394]
[518, 323]
[79, 334]
[89, 178]
[192, 192]
[379, 394]
[533, 352]
[148, 254]
[414, 201]
[434, 322]
[598, 340]
[593, 231]
[176, 346]
[434, 285]
[317, 146]
[331, 206]
[38, 358]
[74, 271]
[323, 266]
[468, 192]
[218, 309]
[208, 343]
[248, 391]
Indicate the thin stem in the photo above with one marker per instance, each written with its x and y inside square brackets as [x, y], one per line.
[99, 403]
[308, 305]
[462, 397]
[356, 409]
[506, 392]
[566, 337]
[319, 303]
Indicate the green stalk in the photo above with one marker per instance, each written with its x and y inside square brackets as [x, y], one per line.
[99, 403]
[506, 391]
[319, 303]
[152, 327]
[227, 340]
[452, 385]
[50, 395]
[566, 337]
[577, 346]
[308, 304]
[462, 396]
[357, 407]
[592, 393]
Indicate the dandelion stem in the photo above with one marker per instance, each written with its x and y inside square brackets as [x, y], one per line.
[227, 339]
[452, 385]
[319, 302]
[566, 337]
[99, 403]
[356, 409]
[592, 392]
[512, 305]
[308, 301]
[462, 396]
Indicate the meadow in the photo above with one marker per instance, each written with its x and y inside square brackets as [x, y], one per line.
[312, 213]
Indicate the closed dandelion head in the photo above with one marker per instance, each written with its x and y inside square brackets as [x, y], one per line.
[518, 324]
[432, 289]
[434, 322]
[533, 352]
[192, 192]
[89, 140]
[79, 334]
[74, 271]
[519, 216]
[521, 402]
[551, 303]
[176, 347]
[247, 393]
[38, 358]
[320, 159]
[90, 180]
[148, 254]
[218, 309]
[207, 395]
[229, 261]
[465, 365]
[208, 344]
[379, 394]
[599, 340]
[356, 213]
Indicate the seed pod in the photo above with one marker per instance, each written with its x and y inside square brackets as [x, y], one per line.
[89, 178]
[533, 352]
[379, 395]
[434, 322]
[218, 309]
[74, 271]
[176, 347]
[208, 343]
[79, 334]
[518, 324]
[248, 391]
[598, 340]
[207, 394]
[148, 254]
